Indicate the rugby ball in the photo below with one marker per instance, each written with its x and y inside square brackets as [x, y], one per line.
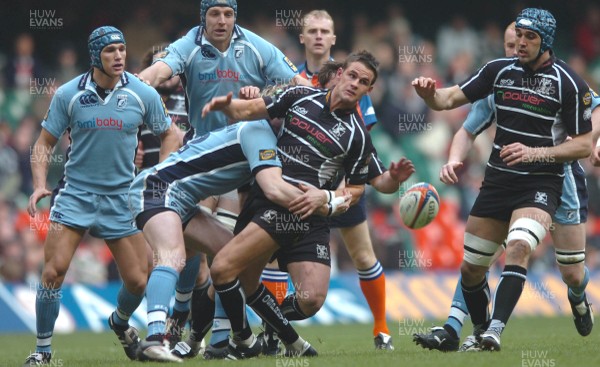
[419, 205]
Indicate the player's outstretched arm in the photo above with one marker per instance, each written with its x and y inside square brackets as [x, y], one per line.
[155, 74]
[389, 182]
[573, 149]
[462, 142]
[237, 109]
[40, 156]
[439, 99]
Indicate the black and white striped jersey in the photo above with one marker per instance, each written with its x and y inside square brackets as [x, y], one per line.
[535, 108]
[318, 146]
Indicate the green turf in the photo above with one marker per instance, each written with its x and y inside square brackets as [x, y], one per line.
[536, 342]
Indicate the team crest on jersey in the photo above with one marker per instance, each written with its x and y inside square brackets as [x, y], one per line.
[322, 252]
[269, 215]
[290, 64]
[338, 130]
[541, 86]
[238, 51]
[541, 198]
[207, 53]
[121, 101]
[266, 154]
[587, 113]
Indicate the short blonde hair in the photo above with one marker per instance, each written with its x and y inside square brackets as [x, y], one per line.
[319, 14]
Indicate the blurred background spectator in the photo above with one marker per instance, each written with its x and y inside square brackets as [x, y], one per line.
[42, 48]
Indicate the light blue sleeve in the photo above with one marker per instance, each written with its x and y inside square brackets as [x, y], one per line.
[595, 99]
[481, 116]
[156, 118]
[259, 144]
[57, 118]
[367, 110]
[276, 66]
[179, 51]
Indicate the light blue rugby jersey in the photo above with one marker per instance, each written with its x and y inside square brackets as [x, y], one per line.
[595, 99]
[250, 60]
[211, 164]
[104, 133]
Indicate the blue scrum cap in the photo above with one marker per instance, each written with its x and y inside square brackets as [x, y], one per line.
[100, 38]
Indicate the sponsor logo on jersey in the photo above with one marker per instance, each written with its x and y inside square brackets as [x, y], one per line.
[121, 101]
[541, 198]
[222, 74]
[521, 97]
[299, 109]
[290, 64]
[88, 100]
[507, 82]
[266, 154]
[587, 114]
[587, 99]
[207, 53]
[311, 129]
[100, 123]
[322, 252]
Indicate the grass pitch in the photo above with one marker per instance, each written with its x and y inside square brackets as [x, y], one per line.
[527, 342]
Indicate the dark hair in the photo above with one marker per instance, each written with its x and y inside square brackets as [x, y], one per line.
[148, 57]
[327, 72]
[365, 58]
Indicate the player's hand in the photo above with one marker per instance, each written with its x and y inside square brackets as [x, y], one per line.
[401, 170]
[342, 208]
[139, 155]
[425, 87]
[217, 104]
[249, 92]
[305, 204]
[38, 194]
[448, 172]
[595, 157]
[515, 153]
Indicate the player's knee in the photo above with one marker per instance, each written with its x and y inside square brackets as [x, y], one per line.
[53, 276]
[136, 285]
[363, 259]
[571, 266]
[471, 273]
[478, 251]
[311, 303]
[516, 250]
[524, 232]
[220, 272]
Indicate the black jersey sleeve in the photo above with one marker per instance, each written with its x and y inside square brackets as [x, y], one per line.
[480, 84]
[576, 102]
[279, 104]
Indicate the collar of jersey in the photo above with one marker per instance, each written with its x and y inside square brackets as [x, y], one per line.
[545, 66]
[327, 107]
[201, 40]
[86, 81]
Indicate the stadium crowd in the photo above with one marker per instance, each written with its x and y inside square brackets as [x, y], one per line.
[406, 128]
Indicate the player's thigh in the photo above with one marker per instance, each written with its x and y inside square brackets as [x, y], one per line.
[130, 255]
[163, 231]
[229, 202]
[206, 234]
[489, 229]
[568, 236]
[60, 246]
[251, 244]
[358, 243]
[310, 279]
